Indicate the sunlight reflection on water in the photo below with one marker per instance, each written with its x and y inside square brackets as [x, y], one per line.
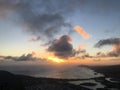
[63, 72]
[70, 73]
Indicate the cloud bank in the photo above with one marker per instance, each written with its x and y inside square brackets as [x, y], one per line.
[115, 42]
[110, 41]
[28, 57]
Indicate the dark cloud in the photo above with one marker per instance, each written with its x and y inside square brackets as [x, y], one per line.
[34, 39]
[100, 54]
[28, 57]
[115, 42]
[46, 26]
[111, 41]
[82, 53]
[45, 19]
[44, 22]
[42, 18]
[10, 57]
[62, 47]
[47, 44]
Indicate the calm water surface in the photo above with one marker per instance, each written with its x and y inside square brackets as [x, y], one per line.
[63, 72]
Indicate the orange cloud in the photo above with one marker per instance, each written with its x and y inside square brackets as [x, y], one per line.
[116, 48]
[81, 32]
[33, 53]
[115, 51]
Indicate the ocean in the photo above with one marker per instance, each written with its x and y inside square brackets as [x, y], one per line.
[49, 71]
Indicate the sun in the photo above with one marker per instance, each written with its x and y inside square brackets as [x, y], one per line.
[55, 59]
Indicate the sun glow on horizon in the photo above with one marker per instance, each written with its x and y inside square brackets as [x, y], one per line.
[55, 59]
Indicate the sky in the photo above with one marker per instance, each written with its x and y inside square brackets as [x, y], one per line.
[60, 31]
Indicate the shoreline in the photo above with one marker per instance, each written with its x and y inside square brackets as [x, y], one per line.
[24, 82]
[9, 81]
[112, 75]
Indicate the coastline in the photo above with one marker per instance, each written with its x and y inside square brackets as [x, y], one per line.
[112, 76]
[10, 81]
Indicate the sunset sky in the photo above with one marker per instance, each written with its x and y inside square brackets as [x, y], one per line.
[60, 31]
